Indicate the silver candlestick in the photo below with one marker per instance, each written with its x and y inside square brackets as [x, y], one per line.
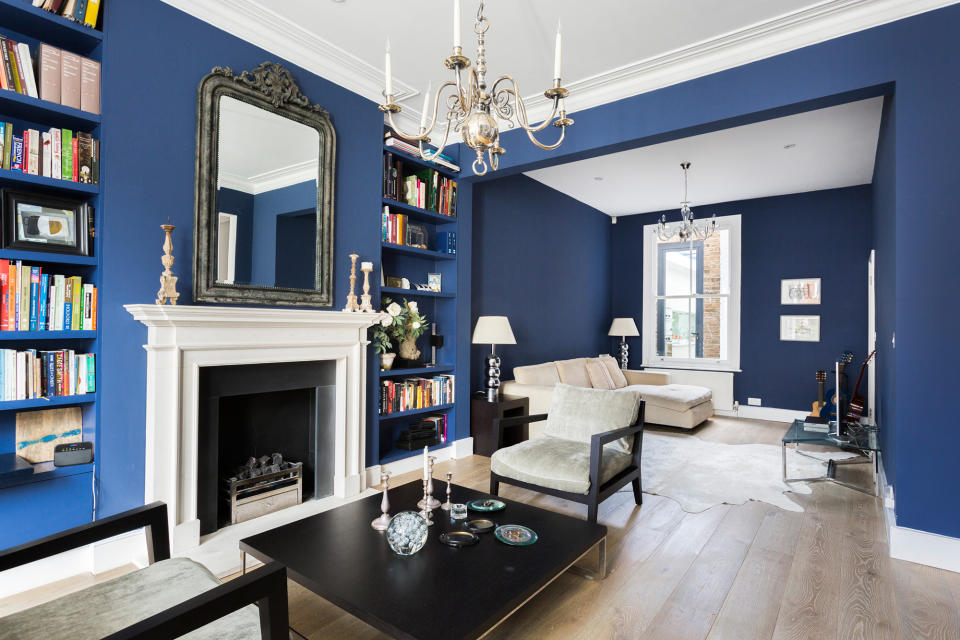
[380, 523]
[446, 505]
[424, 511]
[428, 500]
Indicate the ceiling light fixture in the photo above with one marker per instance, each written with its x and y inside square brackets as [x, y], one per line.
[687, 229]
[472, 109]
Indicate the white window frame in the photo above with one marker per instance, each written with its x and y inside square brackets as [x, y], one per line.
[650, 265]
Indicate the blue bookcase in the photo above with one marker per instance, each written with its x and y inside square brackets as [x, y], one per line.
[50, 499]
[440, 307]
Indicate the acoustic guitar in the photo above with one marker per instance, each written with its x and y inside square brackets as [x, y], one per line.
[836, 397]
[858, 403]
[818, 406]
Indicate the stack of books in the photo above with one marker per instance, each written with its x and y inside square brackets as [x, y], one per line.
[31, 300]
[83, 11]
[402, 145]
[425, 188]
[393, 227]
[25, 375]
[415, 393]
[56, 153]
[426, 433]
[446, 242]
[60, 76]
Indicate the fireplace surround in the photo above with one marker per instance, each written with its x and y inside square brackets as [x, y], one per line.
[181, 340]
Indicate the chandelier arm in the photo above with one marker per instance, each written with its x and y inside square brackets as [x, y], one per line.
[521, 108]
[426, 155]
[423, 135]
[547, 147]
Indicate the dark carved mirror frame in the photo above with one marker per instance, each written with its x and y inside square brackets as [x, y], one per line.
[272, 88]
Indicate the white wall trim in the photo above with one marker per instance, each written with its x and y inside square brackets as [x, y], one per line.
[764, 413]
[253, 22]
[461, 448]
[270, 180]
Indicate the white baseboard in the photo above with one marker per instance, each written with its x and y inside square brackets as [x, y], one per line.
[459, 449]
[764, 413]
[912, 545]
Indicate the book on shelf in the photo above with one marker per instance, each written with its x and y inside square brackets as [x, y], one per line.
[445, 242]
[83, 11]
[89, 85]
[414, 150]
[56, 75]
[27, 74]
[56, 153]
[30, 374]
[415, 393]
[423, 188]
[48, 61]
[69, 79]
[32, 300]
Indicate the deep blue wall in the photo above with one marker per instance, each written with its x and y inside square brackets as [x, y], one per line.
[239, 204]
[540, 258]
[776, 244]
[917, 57]
[155, 56]
[266, 207]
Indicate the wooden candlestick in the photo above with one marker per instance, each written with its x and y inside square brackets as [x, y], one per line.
[168, 281]
[352, 296]
[365, 304]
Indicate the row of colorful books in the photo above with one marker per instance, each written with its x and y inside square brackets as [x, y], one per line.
[59, 76]
[57, 153]
[393, 227]
[440, 159]
[84, 11]
[415, 393]
[425, 188]
[31, 300]
[25, 375]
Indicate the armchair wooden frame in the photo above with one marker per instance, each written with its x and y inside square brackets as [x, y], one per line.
[267, 587]
[598, 493]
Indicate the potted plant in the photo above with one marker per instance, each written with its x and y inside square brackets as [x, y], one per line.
[403, 324]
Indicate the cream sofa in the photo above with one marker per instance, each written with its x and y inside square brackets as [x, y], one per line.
[674, 405]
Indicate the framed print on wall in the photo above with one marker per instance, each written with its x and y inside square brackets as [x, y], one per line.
[800, 328]
[800, 291]
[38, 222]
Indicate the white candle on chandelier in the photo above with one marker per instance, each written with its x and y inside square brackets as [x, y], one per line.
[426, 106]
[388, 71]
[456, 23]
[556, 55]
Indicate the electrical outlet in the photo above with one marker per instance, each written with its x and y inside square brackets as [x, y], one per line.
[753, 402]
[736, 405]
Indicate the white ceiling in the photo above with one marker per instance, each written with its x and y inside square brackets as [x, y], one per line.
[834, 147]
[612, 48]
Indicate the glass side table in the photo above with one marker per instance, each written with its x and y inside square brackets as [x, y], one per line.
[864, 443]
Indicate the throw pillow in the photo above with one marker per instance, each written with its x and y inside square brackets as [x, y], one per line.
[577, 413]
[574, 372]
[616, 374]
[599, 376]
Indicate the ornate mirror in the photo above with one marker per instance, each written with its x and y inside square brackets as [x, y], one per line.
[263, 226]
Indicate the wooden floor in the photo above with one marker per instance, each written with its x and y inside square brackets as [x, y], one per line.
[737, 572]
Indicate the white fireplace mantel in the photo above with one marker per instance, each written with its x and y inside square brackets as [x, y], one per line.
[182, 339]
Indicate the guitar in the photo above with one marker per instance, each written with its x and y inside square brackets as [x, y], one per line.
[858, 403]
[836, 396]
[818, 406]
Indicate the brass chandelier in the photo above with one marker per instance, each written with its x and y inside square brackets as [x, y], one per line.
[472, 109]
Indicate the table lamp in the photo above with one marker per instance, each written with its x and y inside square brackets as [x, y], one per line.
[493, 330]
[623, 327]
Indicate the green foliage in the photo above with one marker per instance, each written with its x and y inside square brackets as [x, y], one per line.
[404, 321]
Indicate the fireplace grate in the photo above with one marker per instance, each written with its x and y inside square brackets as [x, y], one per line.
[263, 486]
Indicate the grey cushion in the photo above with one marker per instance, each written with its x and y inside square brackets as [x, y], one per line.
[556, 463]
[110, 606]
[577, 414]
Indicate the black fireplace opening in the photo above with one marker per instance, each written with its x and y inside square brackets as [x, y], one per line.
[277, 412]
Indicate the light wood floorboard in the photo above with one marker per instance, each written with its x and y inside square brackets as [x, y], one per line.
[736, 572]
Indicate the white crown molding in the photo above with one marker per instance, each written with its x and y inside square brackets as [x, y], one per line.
[270, 180]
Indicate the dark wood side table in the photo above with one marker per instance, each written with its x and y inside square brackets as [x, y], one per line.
[482, 414]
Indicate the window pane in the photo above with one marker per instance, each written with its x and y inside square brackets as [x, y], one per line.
[679, 268]
[678, 328]
[716, 262]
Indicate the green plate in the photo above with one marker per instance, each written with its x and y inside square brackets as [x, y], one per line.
[487, 504]
[515, 534]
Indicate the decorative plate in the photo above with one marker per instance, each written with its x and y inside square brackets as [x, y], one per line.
[480, 525]
[459, 538]
[487, 504]
[515, 534]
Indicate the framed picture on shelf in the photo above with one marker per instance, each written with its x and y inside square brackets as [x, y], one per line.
[800, 291]
[800, 328]
[416, 235]
[38, 222]
[393, 281]
[433, 281]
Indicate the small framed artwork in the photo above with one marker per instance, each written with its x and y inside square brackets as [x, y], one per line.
[37, 222]
[416, 235]
[800, 291]
[433, 281]
[800, 328]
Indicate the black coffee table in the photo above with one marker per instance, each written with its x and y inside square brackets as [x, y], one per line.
[439, 592]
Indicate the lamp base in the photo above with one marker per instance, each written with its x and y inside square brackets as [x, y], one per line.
[492, 362]
[624, 355]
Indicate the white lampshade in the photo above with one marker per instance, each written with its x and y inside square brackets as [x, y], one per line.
[493, 330]
[623, 327]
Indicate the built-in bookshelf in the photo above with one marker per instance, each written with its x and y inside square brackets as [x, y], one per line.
[50, 499]
[399, 260]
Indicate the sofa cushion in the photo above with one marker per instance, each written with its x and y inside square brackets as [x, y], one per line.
[540, 374]
[574, 372]
[110, 606]
[599, 377]
[678, 397]
[556, 463]
[576, 413]
[616, 374]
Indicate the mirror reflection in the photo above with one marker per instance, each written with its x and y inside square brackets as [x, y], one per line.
[267, 216]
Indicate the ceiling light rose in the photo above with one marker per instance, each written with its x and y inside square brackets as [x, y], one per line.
[472, 109]
[687, 229]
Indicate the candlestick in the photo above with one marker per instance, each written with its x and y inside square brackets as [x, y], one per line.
[424, 511]
[426, 460]
[426, 106]
[456, 24]
[168, 281]
[388, 72]
[556, 54]
[380, 523]
[446, 505]
[365, 304]
[352, 296]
